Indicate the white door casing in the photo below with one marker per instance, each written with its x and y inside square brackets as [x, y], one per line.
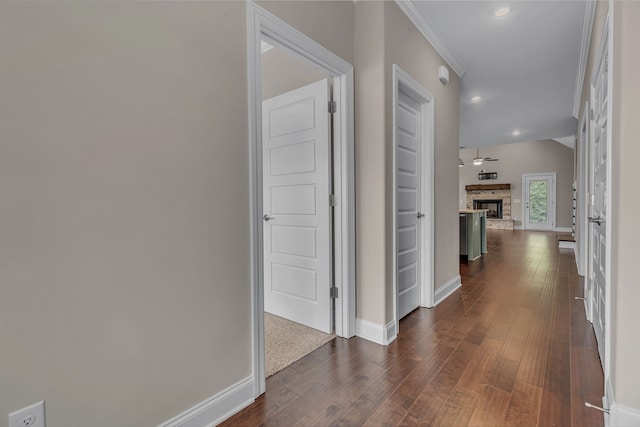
[262, 24]
[533, 217]
[413, 203]
[297, 220]
[598, 149]
[583, 206]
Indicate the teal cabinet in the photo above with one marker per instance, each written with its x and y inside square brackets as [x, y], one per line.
[473, 234]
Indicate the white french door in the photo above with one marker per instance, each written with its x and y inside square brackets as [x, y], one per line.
[297, 217]
[539, 193]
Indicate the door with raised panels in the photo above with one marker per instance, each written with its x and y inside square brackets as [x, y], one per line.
[297, 218]
[598, 203]
[408, 201]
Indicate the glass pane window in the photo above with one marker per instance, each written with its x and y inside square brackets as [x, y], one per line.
[538, 199]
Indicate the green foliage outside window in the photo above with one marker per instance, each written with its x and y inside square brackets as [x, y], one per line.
[538, 202]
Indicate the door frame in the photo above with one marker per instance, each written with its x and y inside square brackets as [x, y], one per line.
[427, 290]
[606, 44]
[552, 212]
[582, 222]
[263, 25]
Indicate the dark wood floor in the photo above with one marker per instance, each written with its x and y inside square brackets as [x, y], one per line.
[511, 347]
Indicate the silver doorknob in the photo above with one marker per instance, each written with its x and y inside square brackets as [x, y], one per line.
[420, 215]
[267, 218]
[598, 220]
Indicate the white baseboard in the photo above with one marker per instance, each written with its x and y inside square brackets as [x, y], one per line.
[450, 287]
[216, 409]
[563, 230]
[566, 245]
[619, 415]
[623, 416]
[518, 227]
[379, 334]
[576, 253]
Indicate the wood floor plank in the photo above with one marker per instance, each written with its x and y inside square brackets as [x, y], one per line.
[524, 405]
[477, 372]
[511, 347]
[458, 409]
[491, 407]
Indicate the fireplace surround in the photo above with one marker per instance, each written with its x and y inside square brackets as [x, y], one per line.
[489, 196]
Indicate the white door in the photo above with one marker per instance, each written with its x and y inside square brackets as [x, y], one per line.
[598, 201]
[539, 201]
[408, 201]
[297, 220]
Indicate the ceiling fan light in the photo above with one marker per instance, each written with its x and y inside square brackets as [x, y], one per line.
[477, 161]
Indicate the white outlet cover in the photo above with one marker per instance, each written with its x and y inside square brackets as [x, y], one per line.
[19, 418]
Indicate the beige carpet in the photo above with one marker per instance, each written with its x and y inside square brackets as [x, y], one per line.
[286, 341]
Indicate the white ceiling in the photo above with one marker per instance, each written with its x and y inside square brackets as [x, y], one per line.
[524, 65]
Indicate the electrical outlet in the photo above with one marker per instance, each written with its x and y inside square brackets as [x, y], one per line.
[31, 416]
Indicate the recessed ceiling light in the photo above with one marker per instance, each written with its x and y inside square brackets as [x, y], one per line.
[516, 133]
[502, 12]
[476, 98]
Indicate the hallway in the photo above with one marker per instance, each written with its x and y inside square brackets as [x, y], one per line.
[511, 347]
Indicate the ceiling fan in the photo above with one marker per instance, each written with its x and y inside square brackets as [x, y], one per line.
[477, 160]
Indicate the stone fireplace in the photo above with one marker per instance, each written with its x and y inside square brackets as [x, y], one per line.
[496, 198]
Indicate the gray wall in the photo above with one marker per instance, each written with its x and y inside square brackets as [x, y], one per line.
[517, 159]
[125, 287]
[282, 72]
[125, 196]
[625, 289]
[385, 36]
[406, 47]
[125, 199]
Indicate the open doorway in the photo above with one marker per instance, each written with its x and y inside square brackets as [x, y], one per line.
[264, 26]
[298, 219]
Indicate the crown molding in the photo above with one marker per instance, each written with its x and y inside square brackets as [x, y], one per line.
[428, 31]
[585, 41]
[567, 141]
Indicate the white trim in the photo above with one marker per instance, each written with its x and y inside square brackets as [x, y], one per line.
[429, 32]
[261, 24]
[563, 230]
[518, 227]
[585, 41]
[427, 250]
[379, 334]
[609, 28]
[623, 416]
[607, 399]
[582, 193]
[448, 288]
[216, 409]
[552, 212]
[619, 415]
[567, 141]
[576, 255]
[566, 245]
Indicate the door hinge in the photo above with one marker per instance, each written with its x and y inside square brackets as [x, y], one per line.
[332, 200]
[333, 292]
[332, 107]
